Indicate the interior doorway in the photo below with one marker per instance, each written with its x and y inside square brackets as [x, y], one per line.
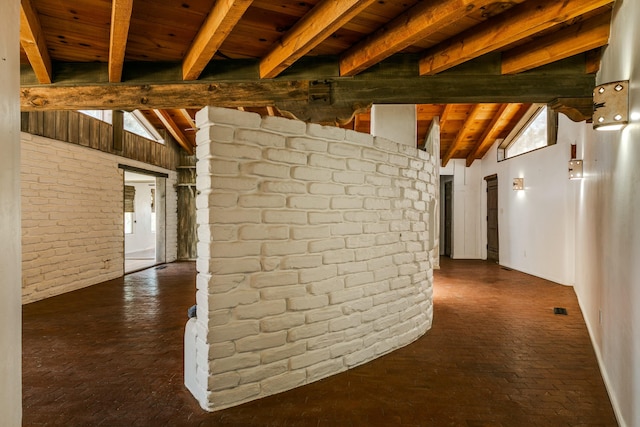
[446, 215]
[492, 218]
[140, 221]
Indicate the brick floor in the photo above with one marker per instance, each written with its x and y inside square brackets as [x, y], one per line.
[497, 355]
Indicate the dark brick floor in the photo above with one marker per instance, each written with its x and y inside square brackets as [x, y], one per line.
[111, 355]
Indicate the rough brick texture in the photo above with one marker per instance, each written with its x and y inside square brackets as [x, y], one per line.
[72, 216]
[313, 251]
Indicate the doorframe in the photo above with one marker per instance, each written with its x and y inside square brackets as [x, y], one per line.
[487, 179]
[161, 211]
[444, 179]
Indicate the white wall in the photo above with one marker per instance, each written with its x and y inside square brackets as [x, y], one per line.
[395, 122]
[467, 239]
[72, 222]
[608, 227]
[536, 226]
[10, 273]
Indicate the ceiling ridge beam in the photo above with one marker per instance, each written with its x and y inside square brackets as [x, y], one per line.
[120, 22]
[33, 42]
[455, 145]
[317, 25]
[174, 130]
[572, 40]
[488, 137]
[415, 24]
[221, 20]
[520, 22]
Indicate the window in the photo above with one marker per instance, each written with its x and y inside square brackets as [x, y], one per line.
[129, 208]
[537, 129]
[134, 122]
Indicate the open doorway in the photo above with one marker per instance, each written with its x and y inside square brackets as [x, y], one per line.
[446, 215]
[493, 249]
[140, 221]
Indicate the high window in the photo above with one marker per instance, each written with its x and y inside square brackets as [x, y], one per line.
[134, 122]
[537, 129]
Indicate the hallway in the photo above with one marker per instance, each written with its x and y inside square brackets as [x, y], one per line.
[497, 355]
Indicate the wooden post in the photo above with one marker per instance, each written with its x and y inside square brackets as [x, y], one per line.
[118, 129]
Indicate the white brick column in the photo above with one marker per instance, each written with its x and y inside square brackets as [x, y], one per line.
[313, 253]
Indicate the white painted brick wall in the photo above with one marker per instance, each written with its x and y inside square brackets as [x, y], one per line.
[313, 253]
[72, 216]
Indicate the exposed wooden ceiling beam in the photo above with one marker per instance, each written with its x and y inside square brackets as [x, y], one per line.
[174, 130]
[462, 134]
[33, 42]
[224, 15]
[415, 24]
[493, 129]
[517, 23]
[187, 117]
[445, 115]
[592, 60]
[575, 39]
[120, 20]
[226, 89]
[314, 27]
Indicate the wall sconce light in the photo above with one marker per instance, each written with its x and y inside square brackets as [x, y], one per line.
[518, 183]
[575, 169]
[611, 105]
[575, 165]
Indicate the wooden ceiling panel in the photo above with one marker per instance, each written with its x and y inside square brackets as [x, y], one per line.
[154, 35]
[81, 40]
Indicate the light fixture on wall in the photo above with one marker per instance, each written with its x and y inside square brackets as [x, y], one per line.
[518, 183]
[575, 169]
[575, 165]
[611, 105]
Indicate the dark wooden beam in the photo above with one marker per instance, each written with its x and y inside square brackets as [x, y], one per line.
[314, 94]
[117, 122]
[576, 109]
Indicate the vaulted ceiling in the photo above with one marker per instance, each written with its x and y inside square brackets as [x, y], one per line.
[476, 64]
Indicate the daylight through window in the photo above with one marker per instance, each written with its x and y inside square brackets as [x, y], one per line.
[537, 129]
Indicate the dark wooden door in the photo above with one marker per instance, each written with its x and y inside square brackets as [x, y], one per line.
[492, 218]
[448, 213]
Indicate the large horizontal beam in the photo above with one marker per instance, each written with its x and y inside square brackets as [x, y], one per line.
[314, 95]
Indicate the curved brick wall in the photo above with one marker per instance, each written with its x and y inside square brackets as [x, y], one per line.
[313, 253]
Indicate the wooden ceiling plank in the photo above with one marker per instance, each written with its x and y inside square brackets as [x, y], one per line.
[321, 22]
[120, 20]
[524, 20]
[223, 17]
[33, 42]
[573, 40]
[185, 113]
[466, 127]
[505, 112]
[174, 130]
[417, 23]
